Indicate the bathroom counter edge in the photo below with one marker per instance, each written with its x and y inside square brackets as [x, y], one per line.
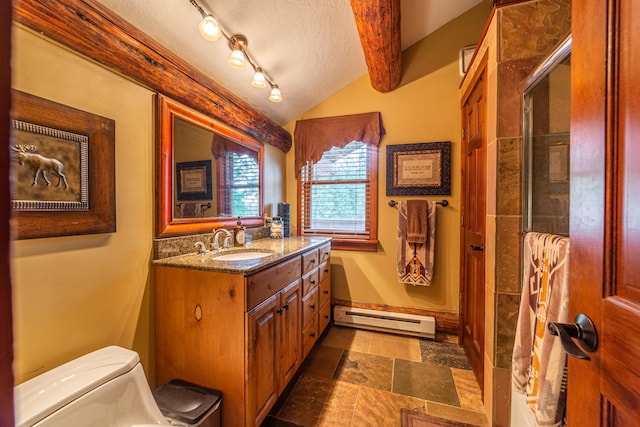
[282, 249]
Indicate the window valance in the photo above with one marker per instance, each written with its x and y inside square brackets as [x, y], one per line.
[313, 137]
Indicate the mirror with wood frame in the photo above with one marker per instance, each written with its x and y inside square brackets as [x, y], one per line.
[209, 174]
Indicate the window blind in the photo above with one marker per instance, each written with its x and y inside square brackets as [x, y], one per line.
[336, 190]
[241, 185]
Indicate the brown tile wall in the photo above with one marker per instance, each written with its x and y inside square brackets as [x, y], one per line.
[525, 33]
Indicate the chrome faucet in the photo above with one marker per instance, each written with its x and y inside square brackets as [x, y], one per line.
[226, 243]
[200, 247]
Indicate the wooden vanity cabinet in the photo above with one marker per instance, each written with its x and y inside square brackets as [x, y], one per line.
[243, 335]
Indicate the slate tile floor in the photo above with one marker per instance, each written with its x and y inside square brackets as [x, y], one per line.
[363, 378]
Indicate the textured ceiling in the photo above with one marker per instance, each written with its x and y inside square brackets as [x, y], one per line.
[309, 48]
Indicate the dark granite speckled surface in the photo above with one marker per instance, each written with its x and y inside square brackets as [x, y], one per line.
[281, 250]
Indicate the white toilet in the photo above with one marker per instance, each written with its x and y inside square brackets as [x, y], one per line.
[104, 388]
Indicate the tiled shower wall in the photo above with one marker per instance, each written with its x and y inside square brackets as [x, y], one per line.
[516, 41]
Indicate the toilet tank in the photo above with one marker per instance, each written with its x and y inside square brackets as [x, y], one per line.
[105, 388]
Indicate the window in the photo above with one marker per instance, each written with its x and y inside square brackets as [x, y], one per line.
[336, 196]
[239, 191]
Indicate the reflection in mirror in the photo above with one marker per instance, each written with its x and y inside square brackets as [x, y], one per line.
[546, 125]
[210, 173]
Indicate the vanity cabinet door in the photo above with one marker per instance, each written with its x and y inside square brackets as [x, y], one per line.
[263, 354]
[274, 349]
[291, 302]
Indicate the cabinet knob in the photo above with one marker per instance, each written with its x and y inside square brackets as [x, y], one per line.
[326, 292]
[279, 311]
[312, 306]
[313, 334]
[286, 306]
[313, 282]
[326, 270]
[326, 316]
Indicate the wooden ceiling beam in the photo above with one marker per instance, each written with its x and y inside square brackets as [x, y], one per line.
[378, 23]
[91, 29]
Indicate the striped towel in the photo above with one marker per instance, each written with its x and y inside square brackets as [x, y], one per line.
[539, 363]
[416, 242]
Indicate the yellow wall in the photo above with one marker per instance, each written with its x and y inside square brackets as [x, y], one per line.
[75, 294]
[425, 108]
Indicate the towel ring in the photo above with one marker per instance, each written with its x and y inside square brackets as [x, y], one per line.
[442, 203]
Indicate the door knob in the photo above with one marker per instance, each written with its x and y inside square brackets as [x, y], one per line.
[582, 330]
[477, 248]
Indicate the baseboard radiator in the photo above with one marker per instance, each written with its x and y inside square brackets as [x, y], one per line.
[399, 323]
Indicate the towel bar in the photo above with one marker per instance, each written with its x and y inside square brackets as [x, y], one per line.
[442, 203]
[207, 205]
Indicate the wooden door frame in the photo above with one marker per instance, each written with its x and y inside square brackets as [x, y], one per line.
[480, 72]
[6, 320]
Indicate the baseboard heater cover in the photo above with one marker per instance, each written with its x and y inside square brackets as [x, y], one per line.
[377, 320]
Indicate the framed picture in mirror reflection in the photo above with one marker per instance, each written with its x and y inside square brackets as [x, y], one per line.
[193, 180]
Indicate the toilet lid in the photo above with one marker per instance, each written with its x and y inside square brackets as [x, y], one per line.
[41, 396]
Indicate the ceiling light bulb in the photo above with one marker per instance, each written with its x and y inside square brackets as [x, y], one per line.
[259, 79]
[209, 28]
[236, 59]
[275, 96]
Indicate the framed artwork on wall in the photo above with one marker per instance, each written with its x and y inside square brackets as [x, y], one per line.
[62, 170]
[419, 169]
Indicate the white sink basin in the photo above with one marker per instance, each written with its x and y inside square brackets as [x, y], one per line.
[241, 256]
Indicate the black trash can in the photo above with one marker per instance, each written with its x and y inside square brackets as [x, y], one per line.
[189, 404]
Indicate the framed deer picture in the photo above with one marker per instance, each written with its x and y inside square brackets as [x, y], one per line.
[62, 169]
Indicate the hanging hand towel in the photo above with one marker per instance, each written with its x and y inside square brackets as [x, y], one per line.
[539, 361]
[416, 241]
[190, 210]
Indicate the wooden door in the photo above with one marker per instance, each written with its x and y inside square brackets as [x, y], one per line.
[291, 331]
[263, 357]
[605, 203]
[473, 224]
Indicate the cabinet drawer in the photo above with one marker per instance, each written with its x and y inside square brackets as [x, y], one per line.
[324, 252]
[309, 281]
[325, 271]
[324, 318]
[310, 306]
[263, 284]
[309, 261]
[309, 337]
[325, 292]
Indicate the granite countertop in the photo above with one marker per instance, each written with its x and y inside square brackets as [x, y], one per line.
[282, 249]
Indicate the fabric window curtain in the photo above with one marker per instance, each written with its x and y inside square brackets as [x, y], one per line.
[313, 137]
[220, 146]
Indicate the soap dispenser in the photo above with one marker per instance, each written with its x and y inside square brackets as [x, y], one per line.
[239, 234]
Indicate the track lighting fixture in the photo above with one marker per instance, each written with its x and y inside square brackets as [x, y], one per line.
[275, 95]
[238, 45]
[210, 29]
[259, 79]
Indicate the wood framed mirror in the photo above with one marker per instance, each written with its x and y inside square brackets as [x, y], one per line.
[207, 173]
